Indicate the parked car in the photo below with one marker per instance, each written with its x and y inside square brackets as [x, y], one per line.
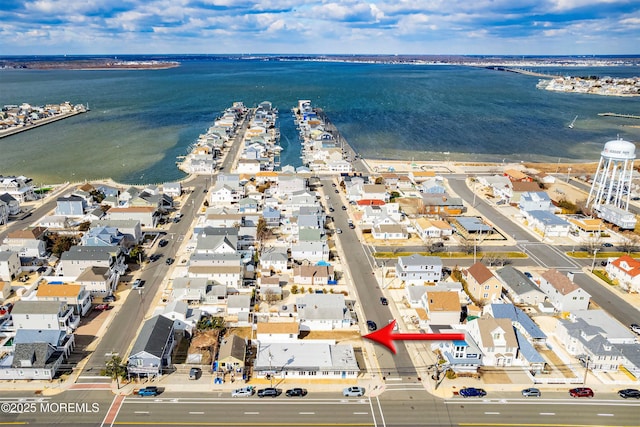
[102, 307]
[607, 245]
[529, 275]
[472, 392]
[169, 261]
[109, 298]
[581, 392]
[531, 392]
[138, 284]
[338, 230]
[344, 208]
[629, 393]
[296, 392]
[331, 209]
[148, 391]
[243, 392]
[194, 373]
[162, 243]
[371, 325]
[154, 257]
[384, 301]
[354, 391]
[635, 328]
[269, 392]
[337, 191]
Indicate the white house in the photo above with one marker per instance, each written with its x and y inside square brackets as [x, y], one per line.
[626, 271]
[562, 292]
[496, 339]
[9, 265]
[389, 232]
[418, 270]
[429, 229]
[311, 251]
[277, 332]
[322, 312]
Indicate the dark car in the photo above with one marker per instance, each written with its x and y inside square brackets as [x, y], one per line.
[269, 392]
[384, 301]
[581, 392]
[296, 392]
[154, 257]
[109, 298]
[628, 393]
[472, 392]
[169, 261]
[337, 190]
[162, 243]
[607, 245]
[531, 392]
[138, 284]
[194, 373]
[371, 325]
[344, 208]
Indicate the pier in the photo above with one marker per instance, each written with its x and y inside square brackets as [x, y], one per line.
[525, 72]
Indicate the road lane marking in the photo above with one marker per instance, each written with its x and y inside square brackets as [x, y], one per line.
[252, 413]
[306, 413]
[140, 412]
[605, 415]
[547, 413]
[492, 413]
[196, 413]
[360, 413]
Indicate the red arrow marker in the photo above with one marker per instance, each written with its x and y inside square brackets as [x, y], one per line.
[385, 337]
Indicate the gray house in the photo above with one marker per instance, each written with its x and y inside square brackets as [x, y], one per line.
[70, 206]
[31, 361]
[520, 288]
[152, 350]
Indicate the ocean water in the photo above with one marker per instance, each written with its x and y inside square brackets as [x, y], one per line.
[141, 120]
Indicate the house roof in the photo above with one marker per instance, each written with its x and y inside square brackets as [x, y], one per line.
[309, 356]
[67, 290]
[516, 280]
[133, 209]
[388, 228]
[278, 328]
[480, 272]
[233, 346]
[527, 350]
[93, 274]
[443, 301]
[153, 336]
[515, 174]
[51, 336]
[37, 307]
[28, 233]
[560, 281]
[41, 354]
[520, 186]
[487, 325]
[321, 307]
[313, 271]
[627, 264]
[510, 311]
[417, 260]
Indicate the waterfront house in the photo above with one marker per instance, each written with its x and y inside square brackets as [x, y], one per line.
[496, 339]
[74, 295]
[562, 292]
[306, 359]
[172, 189]
[520, 289]
[322, 312]
[19, 187]
[310, 251]
[231, 357]
[151, 352]
[626, 272]
[12, 204]
[71, 206]
[418, 269]
[482, 285]
[28, 243]
[4, 212]
[55, 315]
[9, 265]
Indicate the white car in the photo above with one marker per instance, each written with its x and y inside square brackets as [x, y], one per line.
[353, 391]
[243, 392]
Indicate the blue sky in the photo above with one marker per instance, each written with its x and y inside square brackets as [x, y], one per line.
[521, 27]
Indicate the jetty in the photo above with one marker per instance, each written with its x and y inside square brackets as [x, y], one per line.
[624, 116]
[15, 119]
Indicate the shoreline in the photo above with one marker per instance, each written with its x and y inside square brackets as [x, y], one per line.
[14, 130]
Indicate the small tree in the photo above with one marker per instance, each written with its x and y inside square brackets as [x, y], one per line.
[629, 242]
[115, 369]
[270, 296]
[294, 289]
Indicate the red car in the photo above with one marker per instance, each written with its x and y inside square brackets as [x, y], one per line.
[102, 307]
[581, 392]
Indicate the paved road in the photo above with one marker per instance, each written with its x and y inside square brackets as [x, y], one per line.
[396, 407]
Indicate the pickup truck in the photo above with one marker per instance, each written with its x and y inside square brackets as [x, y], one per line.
[147, 391]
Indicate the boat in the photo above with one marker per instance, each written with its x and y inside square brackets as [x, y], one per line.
[573, 122]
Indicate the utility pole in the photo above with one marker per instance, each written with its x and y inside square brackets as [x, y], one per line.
[586, 369]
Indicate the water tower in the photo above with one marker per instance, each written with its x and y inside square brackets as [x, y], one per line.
[611, 189]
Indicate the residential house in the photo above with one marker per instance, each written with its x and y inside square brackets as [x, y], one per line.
[442, 307]
[230, 276]
[224, 216]
[98, 281]
[248, 205]
[31, 361]
[418, 176]
[585, 228]
[516, 175]
[78, 258]
[314, 275]
[519, 288]
[415, 295]
[482, 285]
[232, 353]
[129, 228]
[389, 232]
[374, 192]
[310, 251]
[217, 243]
[73, 206]
[518, 188]
[5, 290]
[536, 201]
[439, 204]
[19, 187]
[312, 360]
[54, 222]
[289, 184]
[418, 269]
[276, 259]
[277, 332]
[547, 224]
[151, 352]
[9, 265]
[102, 236]
[519, 319]
[271, 216]
[239, 309]
[496, 339]
[462, 356]
[172, 189]
[562, 292]
[184, 317]
[322, 312]
[4, 212]
[225, 193]
[74, 296]
[191, 290]
[626, 272]
[433, 185]
[499, 185]
[429, 229]
[28, 243]
[60, 340]
[12, 204]
[148, 216]
[56, 315]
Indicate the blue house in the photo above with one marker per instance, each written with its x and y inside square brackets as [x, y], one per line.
[102, 236]
[70, 206]
[152, 350]
[271, 216]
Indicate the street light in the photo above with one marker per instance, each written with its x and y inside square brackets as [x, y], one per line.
[593, 264]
